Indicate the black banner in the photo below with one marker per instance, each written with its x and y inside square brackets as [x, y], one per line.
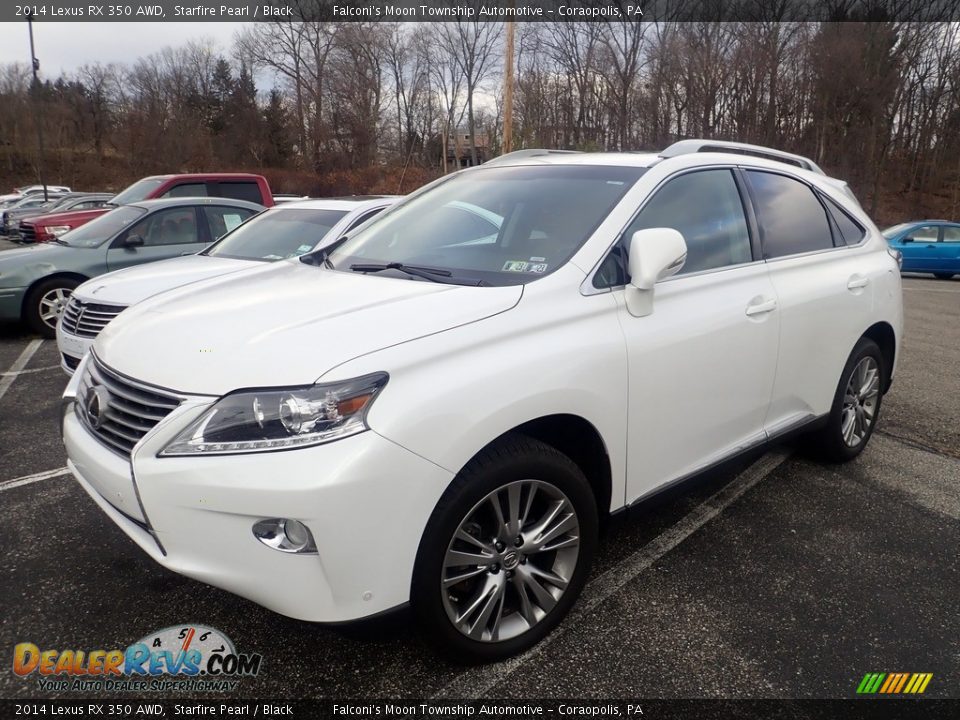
[854, 709]
[479, 10]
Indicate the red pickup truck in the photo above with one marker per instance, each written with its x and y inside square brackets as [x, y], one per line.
[239, 186]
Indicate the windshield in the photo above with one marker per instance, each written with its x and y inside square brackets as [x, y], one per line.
[277, 234]
[136, 192]
[496, 226]
[895, 230]
[103, 228]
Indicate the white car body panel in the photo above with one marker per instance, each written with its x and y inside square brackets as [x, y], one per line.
[669, 393]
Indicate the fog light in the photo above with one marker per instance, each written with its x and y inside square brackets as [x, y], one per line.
[286, 535]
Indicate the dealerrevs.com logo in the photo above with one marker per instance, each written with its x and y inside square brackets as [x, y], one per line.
[187, 657]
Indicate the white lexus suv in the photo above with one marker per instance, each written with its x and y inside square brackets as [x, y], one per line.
[444, 408]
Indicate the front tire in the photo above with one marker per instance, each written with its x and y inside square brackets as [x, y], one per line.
[856, 406]
[45, 303]
[506, 552]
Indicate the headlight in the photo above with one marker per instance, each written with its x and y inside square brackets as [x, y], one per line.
[280, 418]
[57, 230]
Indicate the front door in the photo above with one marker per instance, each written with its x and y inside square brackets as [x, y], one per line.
[701, 367]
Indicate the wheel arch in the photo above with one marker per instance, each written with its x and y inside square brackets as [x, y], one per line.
[883, 334]
[577, 438]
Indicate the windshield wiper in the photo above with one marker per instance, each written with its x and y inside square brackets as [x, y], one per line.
[421, 272]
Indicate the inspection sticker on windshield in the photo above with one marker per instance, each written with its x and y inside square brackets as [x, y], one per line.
[524, 266]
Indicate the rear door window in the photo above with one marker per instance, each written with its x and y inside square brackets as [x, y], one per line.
[222, 220]
[791, 218]
[240, 190]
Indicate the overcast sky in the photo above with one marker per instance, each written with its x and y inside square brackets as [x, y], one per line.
[67, 46]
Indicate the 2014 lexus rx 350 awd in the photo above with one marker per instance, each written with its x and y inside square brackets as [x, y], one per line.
[442, 409]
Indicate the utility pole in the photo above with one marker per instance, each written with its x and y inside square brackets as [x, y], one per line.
[35, 64]
[508, 92]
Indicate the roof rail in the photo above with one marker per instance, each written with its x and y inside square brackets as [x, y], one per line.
[684, 147]
[530, 153]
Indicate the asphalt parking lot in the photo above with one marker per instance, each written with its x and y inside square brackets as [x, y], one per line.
[777, 578]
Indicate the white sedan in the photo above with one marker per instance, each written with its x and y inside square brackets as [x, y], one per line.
[283, 232]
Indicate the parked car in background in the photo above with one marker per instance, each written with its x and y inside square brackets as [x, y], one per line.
[288, 197]
[239, 186]
[36, 282]
[435, 413]
[927, 246]
[32, 189]
[282, 232]
[11, 218]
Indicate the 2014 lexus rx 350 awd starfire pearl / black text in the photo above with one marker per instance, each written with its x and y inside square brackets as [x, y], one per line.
[443, 407]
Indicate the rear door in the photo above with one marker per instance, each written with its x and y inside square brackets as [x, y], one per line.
[165, 234]
[824, 288]
[948, 250]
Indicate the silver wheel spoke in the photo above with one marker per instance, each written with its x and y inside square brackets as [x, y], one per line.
[457, 579]
[541, 595]
[847, 426]
[458, 558]
[513, 505]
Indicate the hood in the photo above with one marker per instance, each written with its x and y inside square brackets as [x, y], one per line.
[40, 253]
[77, 217]
[282, 324]
[131, 285]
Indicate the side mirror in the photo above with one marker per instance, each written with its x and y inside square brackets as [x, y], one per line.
[655, 254]
[133, 241]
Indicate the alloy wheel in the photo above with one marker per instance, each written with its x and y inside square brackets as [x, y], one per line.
[52, 304]
[860, 401]
[510, 560]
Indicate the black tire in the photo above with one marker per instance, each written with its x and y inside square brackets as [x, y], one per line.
[943, 276]
[828, 443]
[510, 460]
[32, 312]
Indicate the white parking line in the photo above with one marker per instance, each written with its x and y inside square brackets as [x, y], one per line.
[36, 477]
[939, 290]
[476, 683]
[19, 364]
[18, 373]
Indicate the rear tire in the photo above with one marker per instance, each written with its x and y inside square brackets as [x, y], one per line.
[45, 304]
[943, 276]
[513, 586]
[856, 406]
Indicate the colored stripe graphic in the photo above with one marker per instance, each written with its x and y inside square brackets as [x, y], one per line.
[894, 683]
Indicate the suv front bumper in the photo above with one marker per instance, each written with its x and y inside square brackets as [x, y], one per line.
[365, 499]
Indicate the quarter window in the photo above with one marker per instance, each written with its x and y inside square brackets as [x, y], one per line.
[851, 232]
[791, 219]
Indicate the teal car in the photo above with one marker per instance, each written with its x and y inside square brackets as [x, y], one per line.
[36, 282]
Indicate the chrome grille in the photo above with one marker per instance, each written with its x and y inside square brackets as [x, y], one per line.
[87, 319]
[119, 411]
[28, 233]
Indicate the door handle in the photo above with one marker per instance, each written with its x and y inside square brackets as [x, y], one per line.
[857, 281]
[760, 305]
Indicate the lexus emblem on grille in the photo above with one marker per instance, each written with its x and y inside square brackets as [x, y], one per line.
[95, 405]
